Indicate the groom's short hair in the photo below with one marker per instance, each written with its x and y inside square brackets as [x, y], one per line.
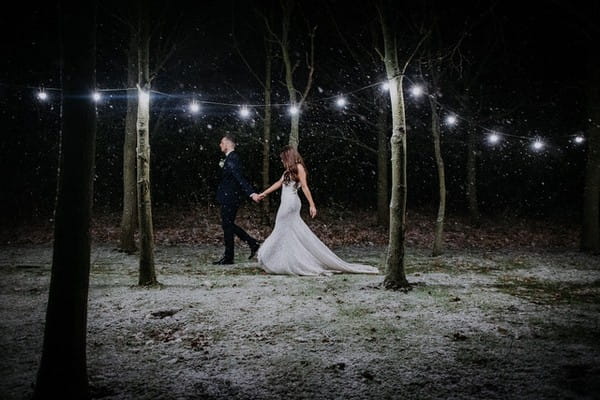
[230, 137]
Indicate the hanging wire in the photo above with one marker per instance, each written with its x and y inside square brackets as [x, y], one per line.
[577, 137]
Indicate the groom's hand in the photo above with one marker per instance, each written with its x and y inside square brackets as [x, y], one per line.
[255, 197]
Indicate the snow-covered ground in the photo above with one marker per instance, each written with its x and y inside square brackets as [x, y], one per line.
[481, 325]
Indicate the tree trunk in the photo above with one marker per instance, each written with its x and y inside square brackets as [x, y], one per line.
[383, 155]
[295, 103]
[439, 222]
[266, 179]
[590, 234]
[147, 275]
[294, 128]
[395, 275]
[129, 217]
[287, 7]
[63, 373]
[294, 139]
[472, 176]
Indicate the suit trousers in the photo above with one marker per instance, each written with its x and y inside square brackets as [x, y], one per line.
[228, 213]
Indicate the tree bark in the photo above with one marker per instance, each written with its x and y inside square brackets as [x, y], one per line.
[289, 73]
[129, 216]
[147, 272]
[295, 102]
[590, 234]
[438, 240]
[471, 193]
[63, 373]
[383, 155]
[395, 267]
[590, 237]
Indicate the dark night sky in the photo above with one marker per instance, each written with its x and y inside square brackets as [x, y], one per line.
[532, 57]
[538, 48]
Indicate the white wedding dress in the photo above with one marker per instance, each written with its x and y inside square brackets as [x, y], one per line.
[293, 249]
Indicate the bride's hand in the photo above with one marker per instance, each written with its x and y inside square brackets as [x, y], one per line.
[313, 211]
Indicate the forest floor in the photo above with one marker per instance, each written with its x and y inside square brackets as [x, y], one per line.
[508, 312]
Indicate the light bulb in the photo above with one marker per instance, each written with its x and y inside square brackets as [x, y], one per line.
[244, 112]
[416, 90]
[493, 138]
[451, 120]
[194, 107]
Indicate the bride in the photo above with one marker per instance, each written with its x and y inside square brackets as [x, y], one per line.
[292, 248]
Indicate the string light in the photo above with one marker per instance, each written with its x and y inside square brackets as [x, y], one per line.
[537, 145]
[244, 112]
[451, 120]
[416, 90]
[194, 107]
[493, 138]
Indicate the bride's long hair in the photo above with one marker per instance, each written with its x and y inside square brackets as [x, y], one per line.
[291, 158]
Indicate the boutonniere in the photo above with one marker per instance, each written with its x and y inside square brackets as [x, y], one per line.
[222, 163]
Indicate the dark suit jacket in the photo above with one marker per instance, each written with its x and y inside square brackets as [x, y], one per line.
[233, 183]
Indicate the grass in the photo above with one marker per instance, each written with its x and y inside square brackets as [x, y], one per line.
[478, 325]
[548, 292]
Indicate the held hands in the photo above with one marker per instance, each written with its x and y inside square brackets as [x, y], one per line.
[258, 197]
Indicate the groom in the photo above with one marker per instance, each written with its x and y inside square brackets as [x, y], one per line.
[232, 185]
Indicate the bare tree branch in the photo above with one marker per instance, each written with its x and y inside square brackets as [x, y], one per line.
[311, 66]
[416, 49]
[245, 61]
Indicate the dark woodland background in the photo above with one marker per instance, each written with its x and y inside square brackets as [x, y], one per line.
[533, 85]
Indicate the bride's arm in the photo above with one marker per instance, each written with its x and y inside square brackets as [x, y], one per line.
[306, 190]
[271, 188]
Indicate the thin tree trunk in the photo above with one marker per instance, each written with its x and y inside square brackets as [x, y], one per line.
[395, 267]
[287, 8]
[383, 155]
[590, 234]
[294, 139]
[266, 179]
[63, 373]
[472, 176]
[294, 128]
[129, 217]
[147, 270]
[439, 222]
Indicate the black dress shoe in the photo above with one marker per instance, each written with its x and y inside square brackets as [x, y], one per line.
[254, 249]
[223, 261]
